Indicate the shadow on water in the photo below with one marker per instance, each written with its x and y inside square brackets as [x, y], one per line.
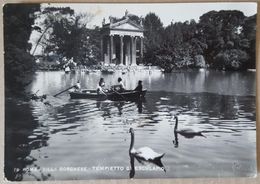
[22, 135]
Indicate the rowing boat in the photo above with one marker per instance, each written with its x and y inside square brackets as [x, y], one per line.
[126, 95]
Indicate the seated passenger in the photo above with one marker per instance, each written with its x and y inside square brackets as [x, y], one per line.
[101, 87]
[120, 84]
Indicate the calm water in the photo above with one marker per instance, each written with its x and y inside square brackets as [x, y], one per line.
[86, 139]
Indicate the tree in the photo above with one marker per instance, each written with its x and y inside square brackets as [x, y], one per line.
[225, 38]
[228, 42]
[180, 46]
[71, 39]
[231, 59]
[67, 35]
[19, 64]
[249, 31]
[153, 28]
[50, 15]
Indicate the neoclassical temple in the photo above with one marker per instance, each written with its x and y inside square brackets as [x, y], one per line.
[122, 40]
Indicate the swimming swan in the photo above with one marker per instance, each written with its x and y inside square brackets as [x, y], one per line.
[144, 153]
[188, 133]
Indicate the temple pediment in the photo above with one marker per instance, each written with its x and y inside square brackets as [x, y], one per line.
[127, 26]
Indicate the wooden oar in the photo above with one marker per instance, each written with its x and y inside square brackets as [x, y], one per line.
[36, 92]
[64, 90]
[118, 93]
[103, 93]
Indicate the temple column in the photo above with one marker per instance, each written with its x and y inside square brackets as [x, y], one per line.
[108, 51]
[141, 48]
[121, 50]
[111, 48]
[128, 52]
[101, 49]
[133, 49]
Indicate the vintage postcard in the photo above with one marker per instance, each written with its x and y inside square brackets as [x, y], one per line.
[118, 91]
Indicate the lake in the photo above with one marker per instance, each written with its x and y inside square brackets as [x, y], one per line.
[67, 139]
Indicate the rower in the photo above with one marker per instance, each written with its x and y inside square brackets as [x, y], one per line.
[139, 86]
[78, 86]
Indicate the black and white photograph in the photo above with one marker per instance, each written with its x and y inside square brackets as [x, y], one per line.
[129, 90]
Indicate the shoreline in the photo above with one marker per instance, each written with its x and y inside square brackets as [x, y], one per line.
[124, 69]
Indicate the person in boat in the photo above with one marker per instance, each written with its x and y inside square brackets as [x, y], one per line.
[139, 87]
[78, 86]
[67, 69]
[120, 84]
[101, 87]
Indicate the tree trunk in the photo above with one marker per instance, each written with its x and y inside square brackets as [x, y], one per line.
[40, 39]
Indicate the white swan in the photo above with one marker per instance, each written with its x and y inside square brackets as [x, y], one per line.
[188, 133]
[144, 153]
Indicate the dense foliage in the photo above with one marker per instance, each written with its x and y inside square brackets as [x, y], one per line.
[68, 36]
[152, 37]
[19, 64]
[224, 35]
[222, 40]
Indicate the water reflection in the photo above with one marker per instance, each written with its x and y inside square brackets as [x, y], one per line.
[23, 135]
[119, 106]
[47, 136]
[132, 164]
[142, 161]
[139, 104]
[225, 83]
[105, 106]
[176, 140]
[69, 123]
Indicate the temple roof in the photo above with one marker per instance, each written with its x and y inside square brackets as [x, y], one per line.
[124, 23]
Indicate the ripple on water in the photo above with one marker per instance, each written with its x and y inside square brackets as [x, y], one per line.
[99, 131]
[32, 137]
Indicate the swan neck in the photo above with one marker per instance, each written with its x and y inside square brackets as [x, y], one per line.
[176, 124]
[132, 141]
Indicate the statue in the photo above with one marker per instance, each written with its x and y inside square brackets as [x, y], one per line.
[111, 19]
[126, 13]
[141, 21]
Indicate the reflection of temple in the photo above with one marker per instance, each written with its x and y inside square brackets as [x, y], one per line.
[122, 41]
